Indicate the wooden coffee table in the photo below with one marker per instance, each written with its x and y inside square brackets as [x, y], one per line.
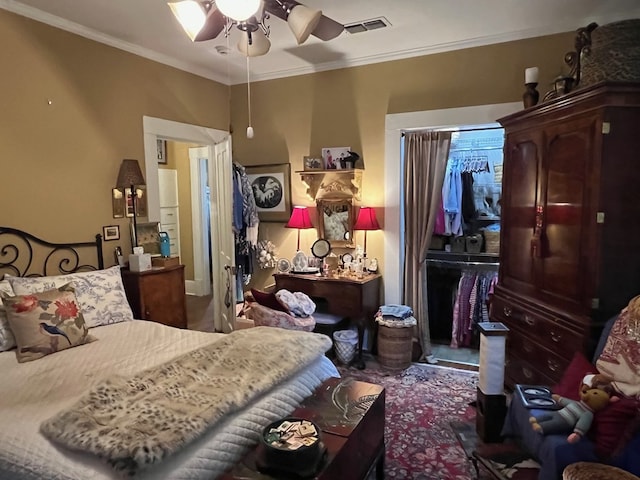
[351, 416]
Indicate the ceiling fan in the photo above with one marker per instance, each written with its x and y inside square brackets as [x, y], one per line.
[205, 20]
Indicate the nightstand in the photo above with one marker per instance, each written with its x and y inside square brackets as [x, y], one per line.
[157, 295]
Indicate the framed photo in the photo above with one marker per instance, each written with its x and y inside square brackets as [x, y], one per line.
[111, 232]
[313, 163]
[162, 151]
[124, 206]
[271, 185]
[148, 235]
[117, 203]
[334, 157]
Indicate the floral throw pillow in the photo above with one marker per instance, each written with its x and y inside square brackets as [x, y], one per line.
[46, 322]
[100, 293]
[7, 340]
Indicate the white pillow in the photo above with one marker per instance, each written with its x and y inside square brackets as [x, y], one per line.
[7, 340]
[100, 293]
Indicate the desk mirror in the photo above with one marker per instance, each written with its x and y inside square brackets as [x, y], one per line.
[335, 220]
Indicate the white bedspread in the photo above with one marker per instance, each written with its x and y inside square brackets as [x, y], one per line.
[34, 391]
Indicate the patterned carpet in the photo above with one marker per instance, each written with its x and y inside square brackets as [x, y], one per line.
[422, 402]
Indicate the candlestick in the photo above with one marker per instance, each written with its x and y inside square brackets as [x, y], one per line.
[530, 96]
[531, 75]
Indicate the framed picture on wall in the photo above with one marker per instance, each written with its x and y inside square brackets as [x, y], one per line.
[111, 232]
[271, 186]
[162, 151]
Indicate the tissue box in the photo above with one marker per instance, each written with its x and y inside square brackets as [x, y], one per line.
[140, 262]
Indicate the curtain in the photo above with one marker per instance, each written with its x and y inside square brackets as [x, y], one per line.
[425, 161]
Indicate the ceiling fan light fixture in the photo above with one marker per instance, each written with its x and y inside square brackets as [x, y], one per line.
[238, 10]
[259, 45]
[191, 15]
[302, 21]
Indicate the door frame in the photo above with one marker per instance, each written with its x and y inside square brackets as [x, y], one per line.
[158, 128]
[395, 125]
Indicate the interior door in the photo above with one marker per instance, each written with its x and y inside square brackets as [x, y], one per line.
[223, 255]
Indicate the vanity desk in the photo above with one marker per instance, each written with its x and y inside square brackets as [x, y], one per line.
[355, 298]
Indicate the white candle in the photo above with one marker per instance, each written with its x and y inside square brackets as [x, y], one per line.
[531, 75]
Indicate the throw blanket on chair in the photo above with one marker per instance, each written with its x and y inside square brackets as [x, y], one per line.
[620, 358]
[136, 422]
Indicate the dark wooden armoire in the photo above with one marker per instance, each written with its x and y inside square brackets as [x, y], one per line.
[570, 226]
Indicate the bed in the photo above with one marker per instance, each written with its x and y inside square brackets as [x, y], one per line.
[52, 392]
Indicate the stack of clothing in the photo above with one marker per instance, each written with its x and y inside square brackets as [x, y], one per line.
[395, 316]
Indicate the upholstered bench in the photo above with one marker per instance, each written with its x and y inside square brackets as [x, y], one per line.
[595, 471]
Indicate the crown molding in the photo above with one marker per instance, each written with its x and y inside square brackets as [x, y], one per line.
[240, 77]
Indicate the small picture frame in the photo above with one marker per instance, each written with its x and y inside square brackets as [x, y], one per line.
[148, 236]
[334, 157]
[162, 151]
[313, 163]
[111, 232]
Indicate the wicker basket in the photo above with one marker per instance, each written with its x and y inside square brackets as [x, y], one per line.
[491, 241]
[395, 346]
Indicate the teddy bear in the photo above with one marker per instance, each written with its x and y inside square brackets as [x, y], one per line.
[575, 417]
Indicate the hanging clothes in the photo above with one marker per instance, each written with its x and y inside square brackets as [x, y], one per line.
[245, 228]
[470, 305]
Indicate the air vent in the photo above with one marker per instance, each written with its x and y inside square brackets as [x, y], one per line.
[366, 25]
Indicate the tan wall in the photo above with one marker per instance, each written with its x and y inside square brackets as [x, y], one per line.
[297, 116]
[59, 160]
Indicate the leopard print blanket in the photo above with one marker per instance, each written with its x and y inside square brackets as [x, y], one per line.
[136, 422]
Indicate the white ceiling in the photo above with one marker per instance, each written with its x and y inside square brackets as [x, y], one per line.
[418, 27]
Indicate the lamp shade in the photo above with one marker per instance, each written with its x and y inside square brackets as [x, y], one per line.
[366, 219]
[303, 21]
[238, 10]
[260, 44]
[129, 174]
[299, 218]
[191, 16]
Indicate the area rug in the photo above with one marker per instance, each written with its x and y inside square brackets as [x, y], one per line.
[422, 401]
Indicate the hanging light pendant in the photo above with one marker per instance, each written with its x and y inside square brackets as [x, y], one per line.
[238, 10]
[191, 16]
[303, 21]
[254, 44]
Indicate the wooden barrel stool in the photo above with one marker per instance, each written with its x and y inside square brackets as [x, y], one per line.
[595, 471]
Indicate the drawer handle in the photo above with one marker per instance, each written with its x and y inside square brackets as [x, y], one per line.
[507, 311]
[528, 347]
[555, 337]
[529, 320]
[527, 373]
[553, 366]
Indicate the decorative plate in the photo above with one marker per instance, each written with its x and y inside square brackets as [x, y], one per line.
[346, 258]
[300, 262]
[283, 265]
[321, 248]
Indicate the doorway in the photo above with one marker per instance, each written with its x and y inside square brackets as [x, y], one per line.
[218, 173]
[483, 116]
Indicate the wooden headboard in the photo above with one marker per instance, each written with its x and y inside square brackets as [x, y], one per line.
[25, 255]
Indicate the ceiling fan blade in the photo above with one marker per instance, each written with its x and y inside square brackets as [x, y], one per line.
[327, 29]
[212, 27]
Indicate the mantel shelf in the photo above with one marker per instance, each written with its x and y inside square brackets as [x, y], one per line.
[332, 183]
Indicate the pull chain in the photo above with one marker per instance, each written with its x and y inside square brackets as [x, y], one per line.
[249, 128]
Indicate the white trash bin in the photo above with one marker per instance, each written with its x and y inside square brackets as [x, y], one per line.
[345, 343]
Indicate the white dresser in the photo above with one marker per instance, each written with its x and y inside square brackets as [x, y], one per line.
[169, 211]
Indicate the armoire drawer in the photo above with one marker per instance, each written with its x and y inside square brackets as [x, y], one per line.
[518, 371]
[535, 356]
[538, 327]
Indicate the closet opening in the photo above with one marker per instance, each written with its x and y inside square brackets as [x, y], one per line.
[463, 257]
